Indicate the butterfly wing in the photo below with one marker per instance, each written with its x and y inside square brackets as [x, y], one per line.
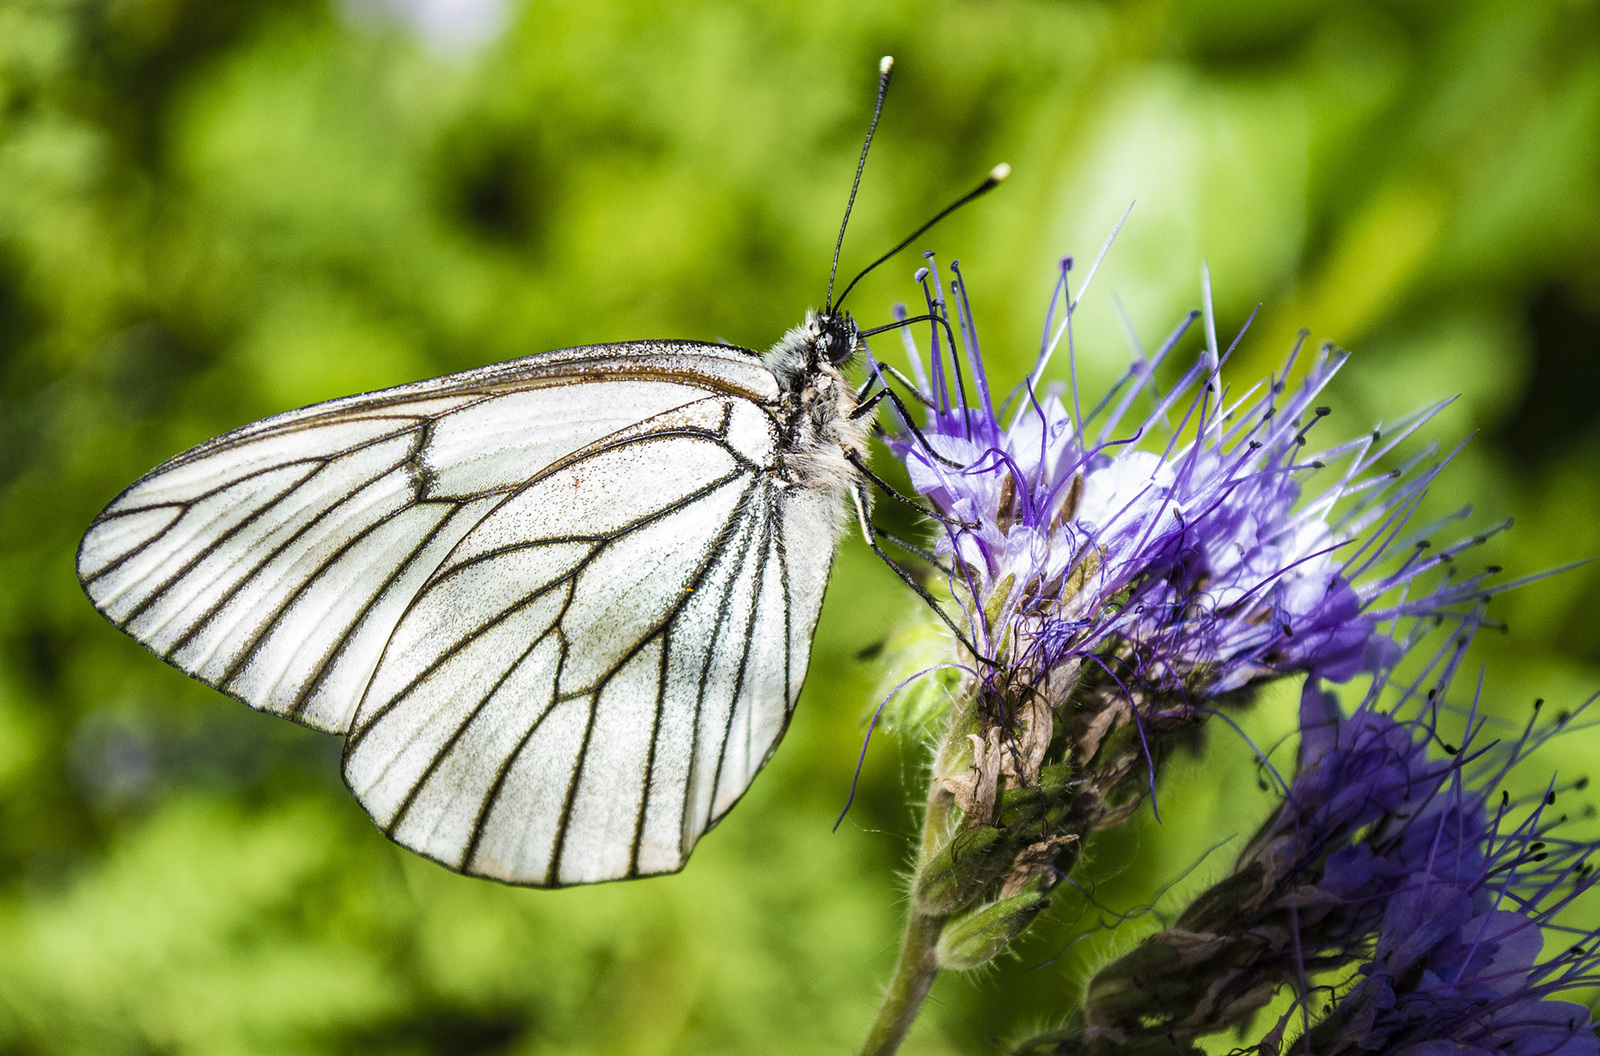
[597, 671]
[561, 606]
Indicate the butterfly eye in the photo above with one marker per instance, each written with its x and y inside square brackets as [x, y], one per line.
[838, 339]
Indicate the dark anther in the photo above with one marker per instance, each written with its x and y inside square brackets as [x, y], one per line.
[1541, 856]
[1255, 445]
[1582, 783]
[1323, 412]
[1562, 716]
[1423, 544]
[1505, 798]
[1536, 845]
[1538, 702]
[1006, 511]
[1550, 798]
[1493, 570]
[1450, 749]
[1317, 465]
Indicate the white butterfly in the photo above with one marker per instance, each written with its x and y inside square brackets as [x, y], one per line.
[560, 607]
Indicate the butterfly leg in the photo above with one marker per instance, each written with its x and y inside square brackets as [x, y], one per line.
[905, 416]
[889, 490]
[916, 551]
[863, 503]
[881, 373]
[865, 407]
[911, 387]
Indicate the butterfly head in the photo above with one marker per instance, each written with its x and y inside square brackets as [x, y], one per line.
[820, 345]
[837, 337]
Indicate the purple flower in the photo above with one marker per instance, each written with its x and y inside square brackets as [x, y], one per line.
[1115, 579]
[1181, 552]
[1465, 897]
[1399, 876]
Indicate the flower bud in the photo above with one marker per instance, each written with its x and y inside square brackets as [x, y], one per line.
[1032, 810]
[978, 935]
[958, 872]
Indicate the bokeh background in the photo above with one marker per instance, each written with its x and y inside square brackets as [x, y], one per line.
[214, 210]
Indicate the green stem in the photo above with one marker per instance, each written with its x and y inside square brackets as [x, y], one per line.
[918, 966]
[914, 973]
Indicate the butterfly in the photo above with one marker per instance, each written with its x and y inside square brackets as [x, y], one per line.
[560, 608]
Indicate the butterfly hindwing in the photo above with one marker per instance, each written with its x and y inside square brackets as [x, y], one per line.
[561, 606]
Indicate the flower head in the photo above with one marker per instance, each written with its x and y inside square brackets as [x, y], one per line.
[1182, 559]
[1400, 876]
[1466, 894]
[1116, 579]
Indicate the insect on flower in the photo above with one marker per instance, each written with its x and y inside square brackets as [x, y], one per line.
[560, 607]
[1117, 584]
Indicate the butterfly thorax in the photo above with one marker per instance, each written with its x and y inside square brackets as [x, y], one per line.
[817, 403]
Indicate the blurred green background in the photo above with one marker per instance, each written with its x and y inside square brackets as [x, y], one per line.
[214, 210]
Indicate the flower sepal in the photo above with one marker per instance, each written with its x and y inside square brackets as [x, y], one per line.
[959, 871]
[1038, 808]
[978, 935]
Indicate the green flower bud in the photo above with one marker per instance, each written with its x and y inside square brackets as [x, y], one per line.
[1034, 809]
[979, 934]
[959, 871]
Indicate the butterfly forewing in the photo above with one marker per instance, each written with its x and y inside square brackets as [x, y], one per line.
[561, 606]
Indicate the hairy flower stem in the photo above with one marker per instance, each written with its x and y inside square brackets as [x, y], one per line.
[914, 973]
[918, 964]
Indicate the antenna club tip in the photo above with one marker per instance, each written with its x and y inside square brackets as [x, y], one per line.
[885, 64]
[1000, 172]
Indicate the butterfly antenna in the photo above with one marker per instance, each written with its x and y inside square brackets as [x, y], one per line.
[885, 66]
[997, 175]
